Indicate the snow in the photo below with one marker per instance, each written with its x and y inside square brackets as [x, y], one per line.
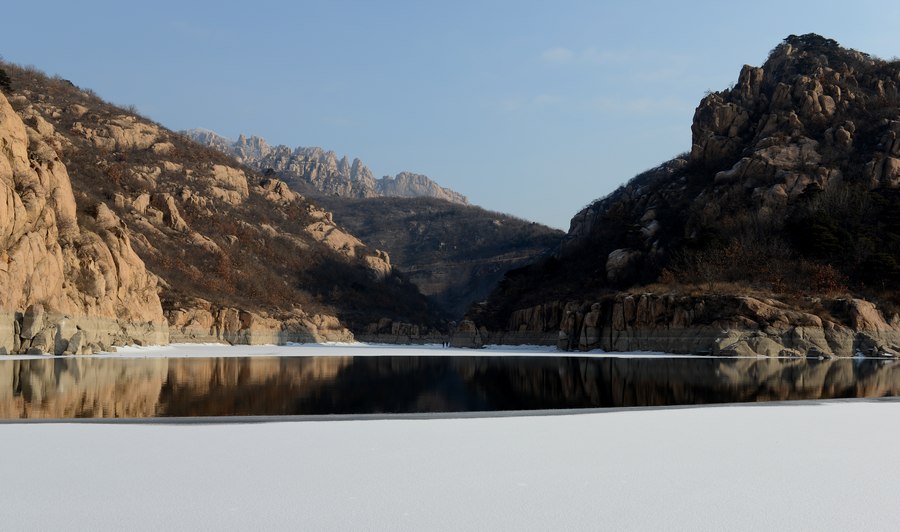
[343, 350]
[810, 466]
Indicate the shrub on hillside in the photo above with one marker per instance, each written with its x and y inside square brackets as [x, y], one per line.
[5, 83]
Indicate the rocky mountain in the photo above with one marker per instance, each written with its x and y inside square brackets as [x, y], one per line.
[314, 171]
[777, 233]
[116, 230]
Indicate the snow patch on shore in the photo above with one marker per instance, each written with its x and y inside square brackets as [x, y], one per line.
[339, 349]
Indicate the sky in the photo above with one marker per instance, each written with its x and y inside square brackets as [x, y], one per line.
[534, 109]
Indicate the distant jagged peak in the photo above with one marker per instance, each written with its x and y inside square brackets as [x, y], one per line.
[412, 185]
[207, 136]
[323, 170]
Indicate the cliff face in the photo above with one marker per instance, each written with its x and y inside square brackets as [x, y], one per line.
[66, 286]
[790, 191]
[112, 218]
[315, 171]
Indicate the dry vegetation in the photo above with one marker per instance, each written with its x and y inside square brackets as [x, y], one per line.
[234, 261]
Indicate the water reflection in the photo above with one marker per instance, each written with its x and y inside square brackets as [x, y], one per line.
[93, 387]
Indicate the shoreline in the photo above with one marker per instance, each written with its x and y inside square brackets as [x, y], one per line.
[345, 349]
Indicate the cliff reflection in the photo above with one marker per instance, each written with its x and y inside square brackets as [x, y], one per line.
[93, 387]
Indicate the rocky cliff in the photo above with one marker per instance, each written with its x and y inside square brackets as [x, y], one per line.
[789, 193]
[315, 171]
[114, 226]
[68, 285]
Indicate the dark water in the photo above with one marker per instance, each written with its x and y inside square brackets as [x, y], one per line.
[119, 387]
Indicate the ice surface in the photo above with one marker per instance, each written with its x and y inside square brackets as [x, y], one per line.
[772, 467]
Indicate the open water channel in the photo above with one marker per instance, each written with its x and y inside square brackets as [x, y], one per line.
[79, 387]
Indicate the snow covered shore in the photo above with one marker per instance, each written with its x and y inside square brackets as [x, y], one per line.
[338, 349]
[826, 466]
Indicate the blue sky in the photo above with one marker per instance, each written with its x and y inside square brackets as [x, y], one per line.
[529, 108]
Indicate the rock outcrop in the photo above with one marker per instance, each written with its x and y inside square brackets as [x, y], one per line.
[204, 323]
[717, 325]
[788, 192]
[316, 171]
[410, 185]
[61, 281]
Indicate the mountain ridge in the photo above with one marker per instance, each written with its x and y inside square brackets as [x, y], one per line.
[316, 171]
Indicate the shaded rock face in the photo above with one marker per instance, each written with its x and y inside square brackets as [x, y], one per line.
[55, 275]
[316, 171]
[789, 187]
[802, 123]
[716, 325]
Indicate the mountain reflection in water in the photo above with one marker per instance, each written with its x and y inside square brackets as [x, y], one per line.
[235, 386]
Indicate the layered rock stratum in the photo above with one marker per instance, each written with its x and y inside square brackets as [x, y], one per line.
[777, 233]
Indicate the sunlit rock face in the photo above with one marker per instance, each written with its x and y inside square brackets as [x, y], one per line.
[111, 225]
[61, 281]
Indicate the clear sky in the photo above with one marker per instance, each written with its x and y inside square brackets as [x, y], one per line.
[529, 108]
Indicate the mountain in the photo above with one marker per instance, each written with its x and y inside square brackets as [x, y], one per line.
[116, 230]
[777, 233]
[454, 253]
[314, 171]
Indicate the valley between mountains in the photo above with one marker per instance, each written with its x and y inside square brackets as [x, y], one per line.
[776, 233]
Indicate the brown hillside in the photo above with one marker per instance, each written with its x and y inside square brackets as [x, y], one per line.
[237, 255]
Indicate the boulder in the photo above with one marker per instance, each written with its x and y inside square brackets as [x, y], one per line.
[32, 321]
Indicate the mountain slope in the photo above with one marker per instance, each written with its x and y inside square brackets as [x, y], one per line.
[789, 197]
[237, 256]
[455, 254]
